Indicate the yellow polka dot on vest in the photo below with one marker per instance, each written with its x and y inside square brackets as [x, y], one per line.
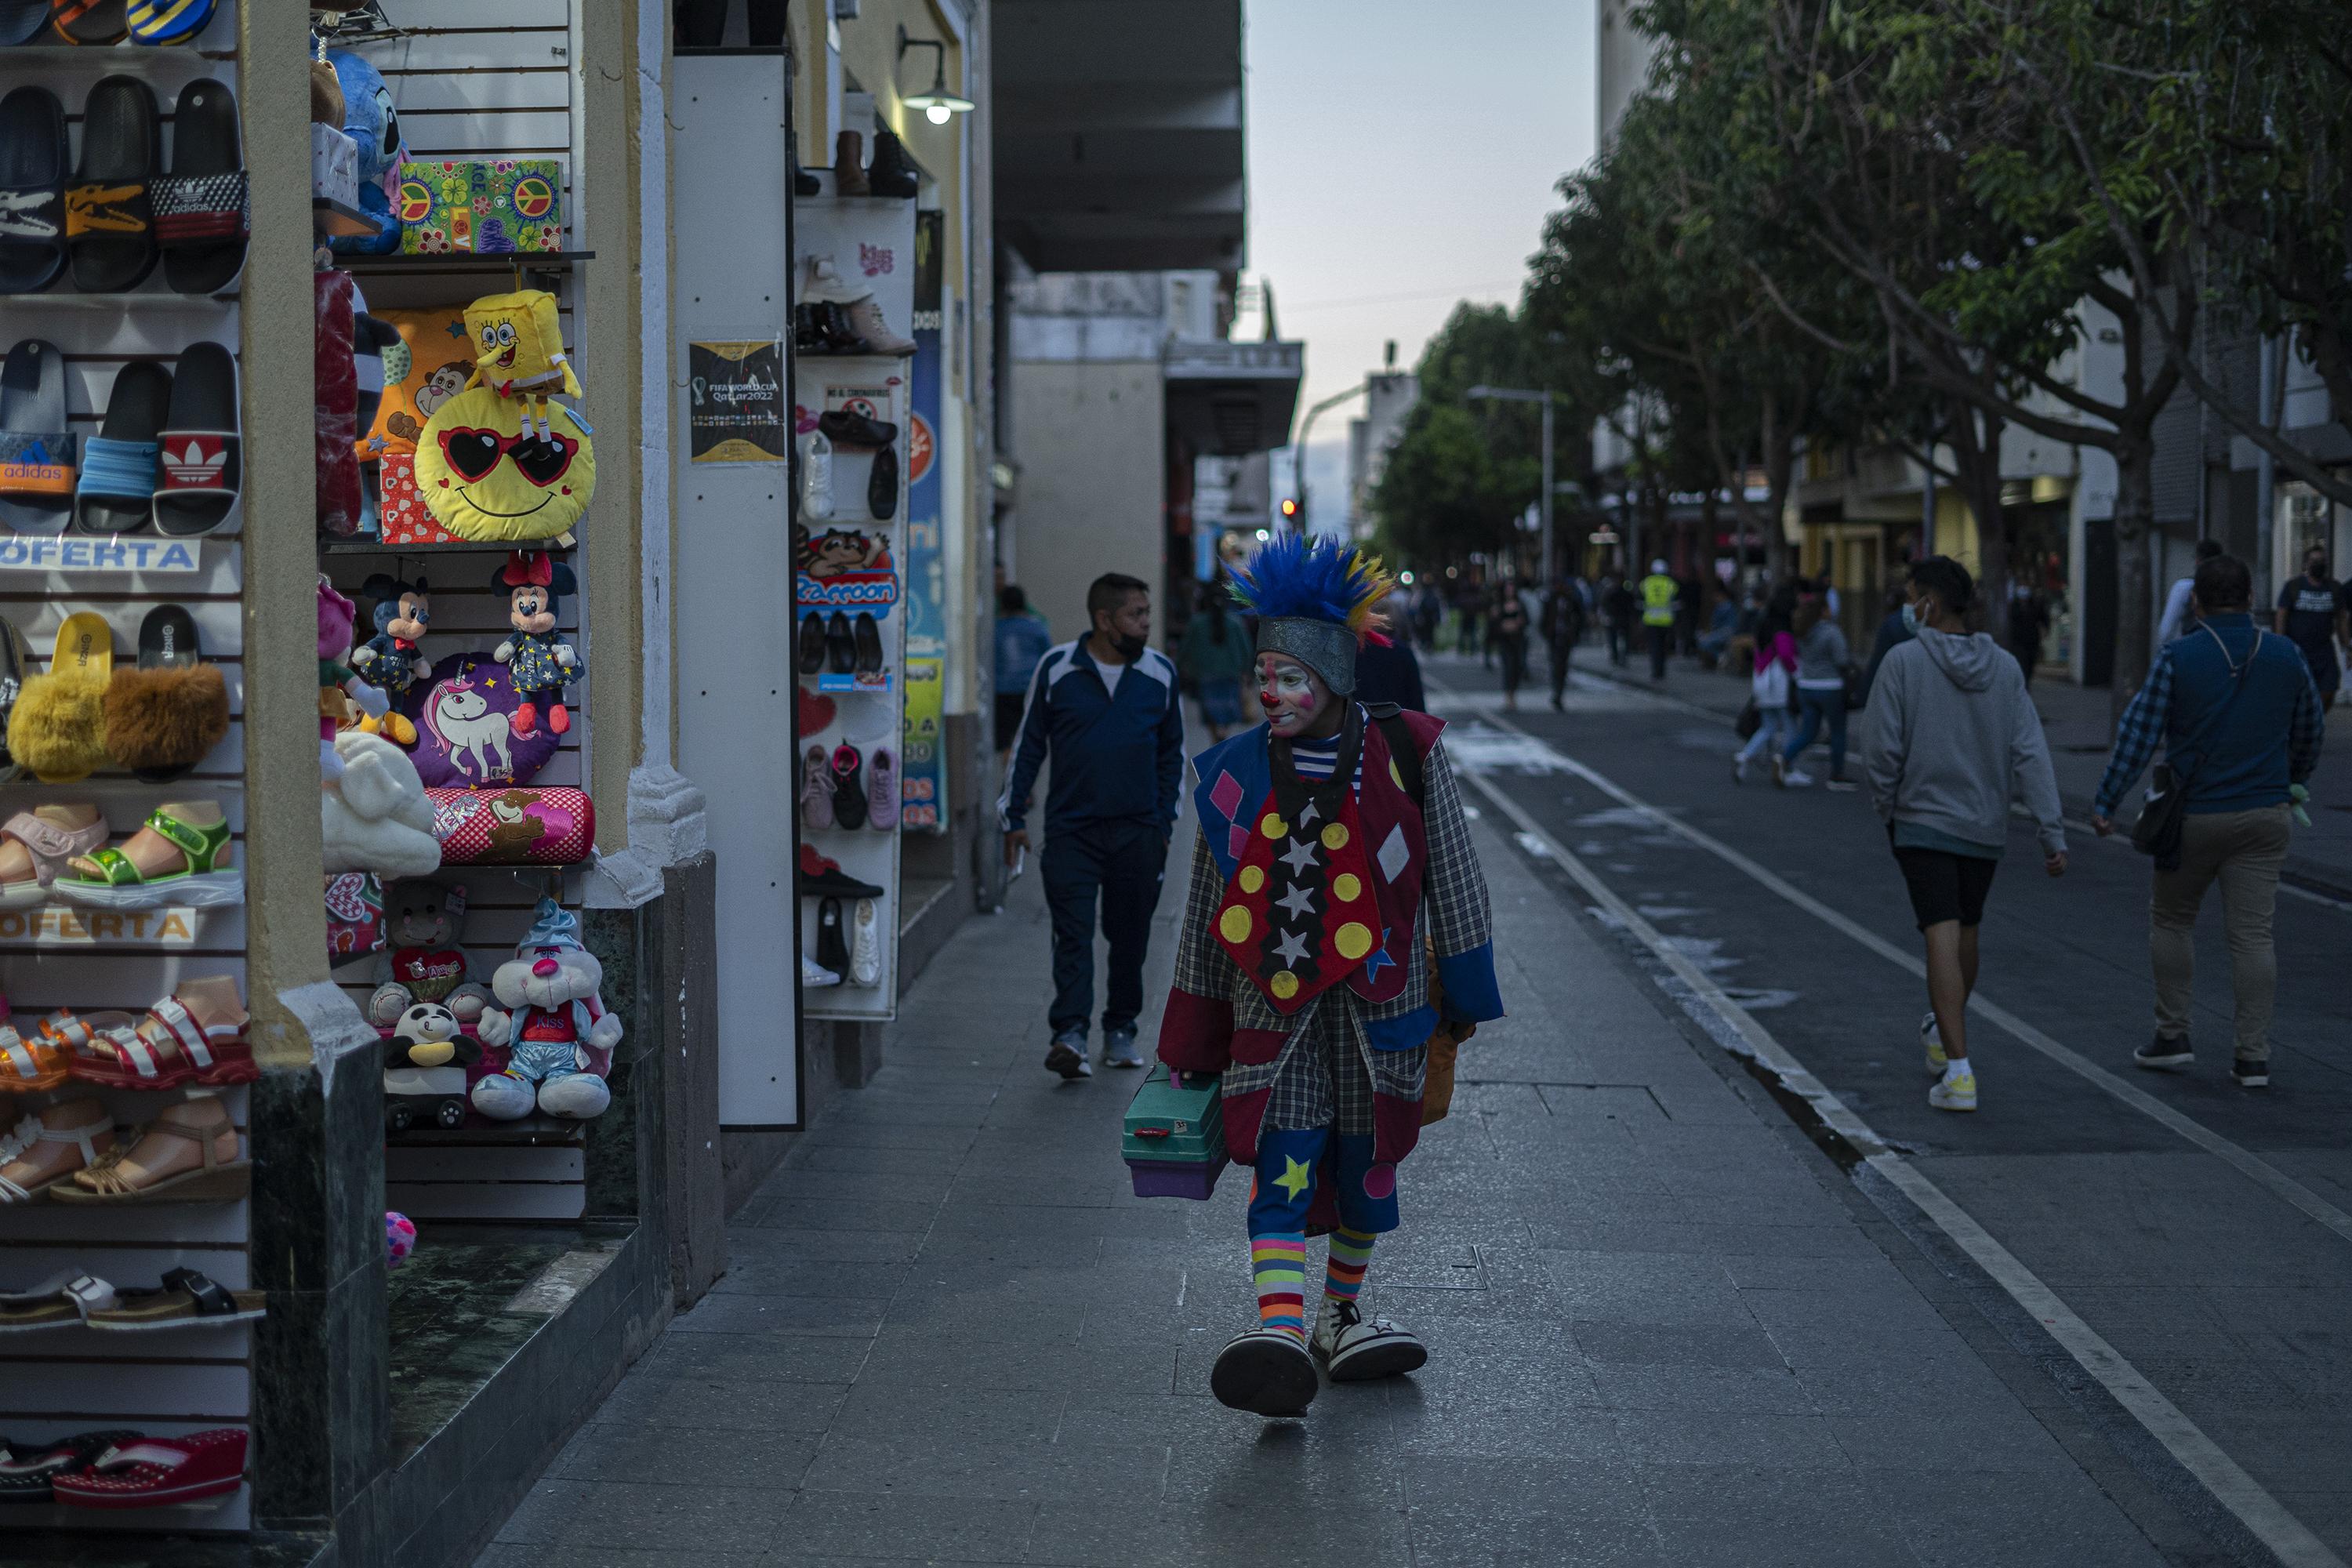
[1285, 985]
[1346, 889]
[1273, 826]
[1252, 878]
[1236, 924]
[1353, 941]
[1335, 837]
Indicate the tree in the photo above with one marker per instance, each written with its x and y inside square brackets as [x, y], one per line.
[1461, 475]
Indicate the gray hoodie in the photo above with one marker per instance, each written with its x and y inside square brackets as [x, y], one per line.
[1949, 738]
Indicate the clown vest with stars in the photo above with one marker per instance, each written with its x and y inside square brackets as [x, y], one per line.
[1322, 878]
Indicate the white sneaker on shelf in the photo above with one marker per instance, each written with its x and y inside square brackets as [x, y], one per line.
[865, 945]
[816, 976]
[816, 478]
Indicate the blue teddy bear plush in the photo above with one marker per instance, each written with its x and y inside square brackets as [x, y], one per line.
[373, 125]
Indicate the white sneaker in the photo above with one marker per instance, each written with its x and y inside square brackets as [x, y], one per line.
[1793, 779]
[816, 476]
[1739, 767]
[816, 976]
[824, 285]
[1954, 1092]
[1931, 1040]
[865, 945]
[1356, 1349]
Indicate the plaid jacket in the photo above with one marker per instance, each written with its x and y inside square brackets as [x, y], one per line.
[1218, 1021]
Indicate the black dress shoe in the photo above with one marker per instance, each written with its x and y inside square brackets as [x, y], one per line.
[848, 428]
[891, 173]
[812, 644]
[840, 652]
[832, 951]
[870, 644]
[848, 787]
[882, 485]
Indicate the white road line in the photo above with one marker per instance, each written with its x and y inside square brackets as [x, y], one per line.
[2263, 1515]
[2248, 1164]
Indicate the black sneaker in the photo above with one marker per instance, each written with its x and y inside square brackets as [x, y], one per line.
[2251, 1075]
[2160, 1055]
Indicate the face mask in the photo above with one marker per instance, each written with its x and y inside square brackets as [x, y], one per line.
[1910, 618]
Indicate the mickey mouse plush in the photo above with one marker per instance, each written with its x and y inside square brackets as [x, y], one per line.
[390, 660]
[540, 663]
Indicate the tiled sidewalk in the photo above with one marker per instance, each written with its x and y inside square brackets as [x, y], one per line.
[1664, 1330]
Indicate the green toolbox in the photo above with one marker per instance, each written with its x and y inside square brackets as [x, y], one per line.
[1174, 1142]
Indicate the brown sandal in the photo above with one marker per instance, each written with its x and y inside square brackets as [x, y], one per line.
[133, 1177]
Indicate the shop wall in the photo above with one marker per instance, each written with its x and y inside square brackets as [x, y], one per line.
[1091, 485]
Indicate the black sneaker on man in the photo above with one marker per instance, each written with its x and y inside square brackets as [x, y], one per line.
[2160, 1055]
[2251, 1075]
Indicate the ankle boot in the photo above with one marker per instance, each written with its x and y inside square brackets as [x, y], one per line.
[864, 317]
[848, 172]
[805, 184]
[891, 174]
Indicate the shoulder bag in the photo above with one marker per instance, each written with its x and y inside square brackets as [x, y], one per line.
[2156, 831]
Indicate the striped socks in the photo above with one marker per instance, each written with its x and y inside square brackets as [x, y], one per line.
[1278, 1262]
[1351, 1254]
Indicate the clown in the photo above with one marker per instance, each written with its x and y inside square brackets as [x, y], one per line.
[1334, 863]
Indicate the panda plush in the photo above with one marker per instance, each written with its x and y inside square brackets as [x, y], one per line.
[424, 1069]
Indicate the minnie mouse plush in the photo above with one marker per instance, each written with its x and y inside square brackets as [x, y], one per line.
[540, 663]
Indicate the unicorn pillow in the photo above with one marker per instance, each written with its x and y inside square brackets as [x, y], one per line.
[465, 733]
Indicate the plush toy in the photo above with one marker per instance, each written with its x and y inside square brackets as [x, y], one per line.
[559, 1037]
[421, 921]
[518, 342]
[337, 680]
[373, 125]
[374, 815]
[540, 663]
[402, 614]
[425, 1064]
[484, 478]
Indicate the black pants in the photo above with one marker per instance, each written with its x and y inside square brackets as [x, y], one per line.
[1122, 863]
[1618, 635]
[1661, 639]
[1514, 646]
[1560, 652]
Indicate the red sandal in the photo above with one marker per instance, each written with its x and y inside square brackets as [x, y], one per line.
[169, 1047]
[154, 1472]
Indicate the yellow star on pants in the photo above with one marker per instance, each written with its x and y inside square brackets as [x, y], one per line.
[1294, 1177]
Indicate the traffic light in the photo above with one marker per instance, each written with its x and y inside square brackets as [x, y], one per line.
[1290, 511]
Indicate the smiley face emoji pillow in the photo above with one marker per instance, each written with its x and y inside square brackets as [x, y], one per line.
[484, 476]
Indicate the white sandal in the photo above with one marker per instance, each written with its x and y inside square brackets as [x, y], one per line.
[40, 1132]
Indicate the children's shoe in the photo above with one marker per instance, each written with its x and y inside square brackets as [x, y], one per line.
[2160, 1055]
[816, 790]
[1356, 1349]
[848, 787]
[1067, 1055]
[1267, 1371]
[831, 948]
[2251, 1075]
[1954, 1092]
[1931, 1040]
[882, 789]
[865, 945]
[1119, 1050]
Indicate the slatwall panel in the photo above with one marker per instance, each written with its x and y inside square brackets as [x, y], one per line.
[464, 89]
[169, 1382]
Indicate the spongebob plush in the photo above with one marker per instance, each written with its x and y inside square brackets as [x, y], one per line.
[517, 343]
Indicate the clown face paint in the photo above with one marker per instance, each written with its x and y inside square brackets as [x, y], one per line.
[1295, 700]
[483, 477]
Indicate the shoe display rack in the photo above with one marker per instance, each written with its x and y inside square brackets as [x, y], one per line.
[125, 1313]
[484, 96]
[853, 274]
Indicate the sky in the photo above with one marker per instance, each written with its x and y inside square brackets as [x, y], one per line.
[1402, 158]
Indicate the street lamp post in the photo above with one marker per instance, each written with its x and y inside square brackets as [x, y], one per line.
[1521, 395]
[1298, 452]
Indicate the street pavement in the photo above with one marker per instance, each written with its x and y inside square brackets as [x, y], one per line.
[1672, 1321]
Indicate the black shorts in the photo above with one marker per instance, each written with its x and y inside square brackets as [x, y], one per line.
[1010, 706]
[1945, 885]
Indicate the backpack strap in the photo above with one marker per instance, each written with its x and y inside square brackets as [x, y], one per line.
[1402, 750]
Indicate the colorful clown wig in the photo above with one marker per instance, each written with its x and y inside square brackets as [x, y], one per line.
[1314, 601]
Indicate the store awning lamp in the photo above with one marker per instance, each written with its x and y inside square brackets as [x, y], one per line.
[938, 104]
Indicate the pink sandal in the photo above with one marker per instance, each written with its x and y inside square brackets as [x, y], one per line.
[153, 1472]
[50, 846]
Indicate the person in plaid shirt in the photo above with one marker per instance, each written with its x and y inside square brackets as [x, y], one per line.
[1334, 872]
[2240, 720]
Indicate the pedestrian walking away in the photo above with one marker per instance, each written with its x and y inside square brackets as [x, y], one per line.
[1022, 639]
[2177, 621]
[2241, 723]
[1777, 661]
[1821, 661]
[1509, 633]
[2029, 623]
[1563, 628]
[1214, 655]
[2312, 616]
[1619, 605]
[1949, 738]
[1105, 710]
[1338, 918]
[1660, 593]
[1472, 604]
[1387, 671]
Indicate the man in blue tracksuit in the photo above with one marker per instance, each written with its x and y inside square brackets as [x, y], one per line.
[1105, 707]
